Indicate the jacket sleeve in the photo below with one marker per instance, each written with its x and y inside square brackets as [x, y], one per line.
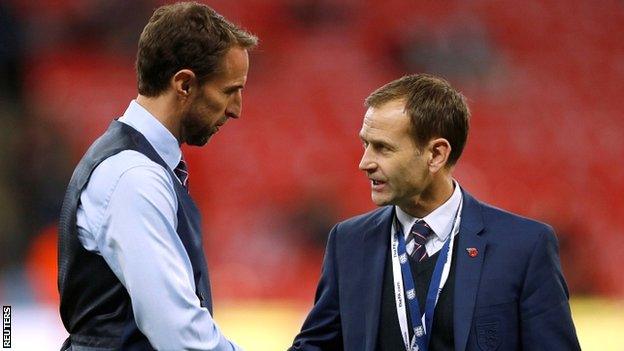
[546, 320]
[321, 330]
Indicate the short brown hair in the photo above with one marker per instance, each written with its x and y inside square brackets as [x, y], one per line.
[434, 107]
[185, 35]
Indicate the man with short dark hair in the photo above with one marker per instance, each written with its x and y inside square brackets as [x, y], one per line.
[132, 270]
[434, 268]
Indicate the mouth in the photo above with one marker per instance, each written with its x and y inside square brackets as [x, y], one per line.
[219, 125]
[221, 122]
[377, 185]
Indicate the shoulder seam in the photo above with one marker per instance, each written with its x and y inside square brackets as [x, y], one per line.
[111, 191]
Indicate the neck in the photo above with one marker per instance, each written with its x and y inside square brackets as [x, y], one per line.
[162, 107]
[437, 192]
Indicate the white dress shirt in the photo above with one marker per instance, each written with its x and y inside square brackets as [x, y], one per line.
[128, 215]
[439, 220]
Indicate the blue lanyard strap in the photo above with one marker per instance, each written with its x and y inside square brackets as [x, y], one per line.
[421, 335]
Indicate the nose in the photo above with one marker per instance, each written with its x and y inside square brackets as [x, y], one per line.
[235, 105]
[367, 163]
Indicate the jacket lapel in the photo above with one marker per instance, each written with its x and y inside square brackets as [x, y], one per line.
[376, 246]
[468, 269]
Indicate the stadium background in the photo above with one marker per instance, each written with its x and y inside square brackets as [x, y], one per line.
[544, 79]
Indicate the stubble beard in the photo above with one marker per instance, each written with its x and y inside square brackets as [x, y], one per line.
[195, 132]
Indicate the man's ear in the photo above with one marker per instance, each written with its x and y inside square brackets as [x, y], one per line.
[440, 151]
[183, 81]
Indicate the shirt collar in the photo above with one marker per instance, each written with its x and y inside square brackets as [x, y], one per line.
[439, 220]
[161, 139]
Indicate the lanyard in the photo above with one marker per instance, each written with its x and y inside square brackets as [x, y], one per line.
[404, 281]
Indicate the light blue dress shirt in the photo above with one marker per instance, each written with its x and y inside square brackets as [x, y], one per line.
[127, 214]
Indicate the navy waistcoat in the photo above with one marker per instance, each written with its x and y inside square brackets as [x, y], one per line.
[95, 306]
[389, 333]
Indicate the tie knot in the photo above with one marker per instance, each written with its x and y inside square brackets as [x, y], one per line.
[420, 232]
[181, 171]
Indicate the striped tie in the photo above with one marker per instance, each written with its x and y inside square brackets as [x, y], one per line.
[181, 171]
[416, 240]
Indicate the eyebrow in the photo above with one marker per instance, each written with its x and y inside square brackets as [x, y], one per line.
[233, 87]
[383, 141]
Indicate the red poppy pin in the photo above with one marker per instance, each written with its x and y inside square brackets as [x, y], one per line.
[472, 251]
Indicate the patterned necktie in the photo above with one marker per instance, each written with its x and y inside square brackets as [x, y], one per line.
[181, 171]
[416, 240]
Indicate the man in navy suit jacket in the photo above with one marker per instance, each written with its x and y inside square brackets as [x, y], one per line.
[433, 268]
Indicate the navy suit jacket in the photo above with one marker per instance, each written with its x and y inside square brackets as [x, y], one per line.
[510, 296]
